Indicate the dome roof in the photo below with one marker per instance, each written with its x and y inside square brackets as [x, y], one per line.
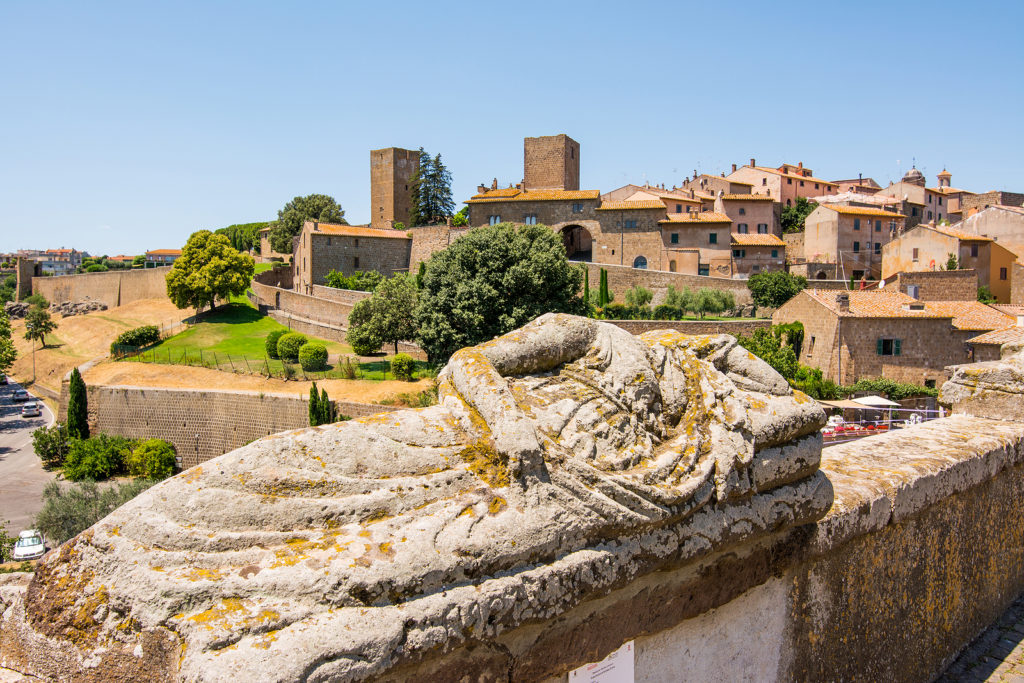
[913, 176]
[945, 174]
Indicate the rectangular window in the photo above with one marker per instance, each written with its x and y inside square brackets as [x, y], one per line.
[742, 229]
[743, 212]
[888, 347]
[878, 226]
[801, 183]
[856, 247]
[679, 208]
[355, 262]
[915, 254]
[629, 225]
[493, 220]
[878, 247]
[530, 219]
[703, 270]
[940, 201]
[815, 186]
[739, 253]
[929, 215]
[713, 238]
[674, 239]
[775, 253]
[914, 211]
[929, 199]
[789, 181]
[974, 250]
[810, 347]
[356, 241]
[1002, 273]
[856, 224]
[328, 240]
[577, 208]
[762, 228]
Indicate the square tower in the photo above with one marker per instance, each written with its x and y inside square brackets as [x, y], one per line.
[391, 173]
[551, 162]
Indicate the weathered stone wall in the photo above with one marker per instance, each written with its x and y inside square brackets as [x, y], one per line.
[940, 285]
[428, 240]
[1017, 284]
[733, 327]
[279, 276]
[918, 554]
[302, 305]
[551, 162]
[200, 424]
[114, 288]
[623, 278]
[26, 270]
[320, 252]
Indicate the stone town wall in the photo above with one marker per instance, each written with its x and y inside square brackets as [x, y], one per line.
[918, 554]
[1017, 284]
[301, 305]
[428, 240]
[733, 327]
[940, 285]
[280, 275]
[25, 271]
[200, 424]
[349, 297]
[114, 288]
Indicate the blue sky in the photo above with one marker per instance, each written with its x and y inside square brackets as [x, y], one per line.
[127, 126]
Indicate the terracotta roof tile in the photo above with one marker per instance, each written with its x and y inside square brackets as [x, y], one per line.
[358, 231]
[164, 252]
[702, 217]
[971, 315]
[631, 204]
[1007, 335]
[513, 195]
[965, 315]
[747, 197]
[861, 211]
[959, 234]
[756, 240]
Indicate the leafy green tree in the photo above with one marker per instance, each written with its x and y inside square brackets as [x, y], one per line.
[69, 510]
[359, 281]
[793, 217]
[38, 324]
[362, 335]
[461, 218]
[244, 236]
[321, 208]
[152, 459]
[771, 349]
[208, 269]
[139, 261]
[419, 274]
[638, 296]
[707, 300]
[491, 281]
[51, 444]
[952, 263]
[391, 311]
[431, 191]
[97, 458]
[985, 296]
[8, 354]
[774, 288]
[78, 407]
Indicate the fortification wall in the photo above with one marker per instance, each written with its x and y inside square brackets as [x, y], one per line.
[304, 306]
[200, 424]
[918, 554]
[733, 327]
[114, 288]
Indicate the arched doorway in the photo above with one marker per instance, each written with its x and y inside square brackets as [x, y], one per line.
[821, 275]
[640, 263]
[579, 245]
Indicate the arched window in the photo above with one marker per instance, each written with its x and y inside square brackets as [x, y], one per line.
[789, 202]
[640, 262]
[672, 266]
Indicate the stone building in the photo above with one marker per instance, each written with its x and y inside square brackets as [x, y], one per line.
[973, 203]
[391, 174]
[754, 214]
[675, 200]
[921, 204]
[928, 247]
[868, 334]
[1004, 224]
[859, 185]
[757, 253]
[709, 186]
[784, 184]
[266, 251]
[849, 236]
[323, 247]
[551, 162]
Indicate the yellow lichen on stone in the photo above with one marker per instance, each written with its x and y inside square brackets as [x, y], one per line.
[487, 463]
[496, 505]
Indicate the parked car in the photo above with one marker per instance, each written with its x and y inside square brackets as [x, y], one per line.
[20, 395]
[29, 546]
[3, 378]
[32, 409]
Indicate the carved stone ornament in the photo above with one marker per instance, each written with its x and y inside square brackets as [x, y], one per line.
[563, 460]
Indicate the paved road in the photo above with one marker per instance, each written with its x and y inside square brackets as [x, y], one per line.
[22, 477]
[997, 655]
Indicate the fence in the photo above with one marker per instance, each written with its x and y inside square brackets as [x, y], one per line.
[876, 421]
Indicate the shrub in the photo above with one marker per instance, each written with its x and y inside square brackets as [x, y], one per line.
[363, 339]
[139, 336]
[70, 510]
[402, 366]
[313, 356]
[639, 296]
[668, 312]
[617, 311]
[97, 458]
[152, 459]
[51, 444]
[37, 300]
[271, 343]
[289, 344]
[348, 368]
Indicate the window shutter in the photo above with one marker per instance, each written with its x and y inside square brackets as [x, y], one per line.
[896, 346]
[878, 347]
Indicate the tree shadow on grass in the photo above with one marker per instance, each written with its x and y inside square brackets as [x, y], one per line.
[232, 314]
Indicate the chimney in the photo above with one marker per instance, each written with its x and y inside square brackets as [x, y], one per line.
[494, 184]
[481, 188]
[753, 162]
[734, 168]
[800, 165]
[844, 302]
[860, 178]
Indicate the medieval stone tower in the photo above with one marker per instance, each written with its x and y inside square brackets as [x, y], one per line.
[551, 162]
[391, 172]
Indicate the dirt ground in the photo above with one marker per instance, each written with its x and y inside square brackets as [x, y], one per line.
[185, 377]
[82, 338]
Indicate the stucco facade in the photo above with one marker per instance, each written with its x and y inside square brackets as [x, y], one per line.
[784, 184]
[851, 237]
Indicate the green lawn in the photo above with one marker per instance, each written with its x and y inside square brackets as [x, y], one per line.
[232, 338]
[262, 267]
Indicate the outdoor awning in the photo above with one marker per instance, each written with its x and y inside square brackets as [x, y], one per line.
[876, 402]
[844, 404]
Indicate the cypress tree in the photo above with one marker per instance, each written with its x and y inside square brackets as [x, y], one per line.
[78, 407]
[314, 407]
[327, 413]
[419, 192]
[586, 289]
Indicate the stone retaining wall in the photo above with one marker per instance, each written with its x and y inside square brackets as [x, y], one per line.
[733, 327]
[200, 424]
[623, 278]
[114, 287]
[919, 553]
